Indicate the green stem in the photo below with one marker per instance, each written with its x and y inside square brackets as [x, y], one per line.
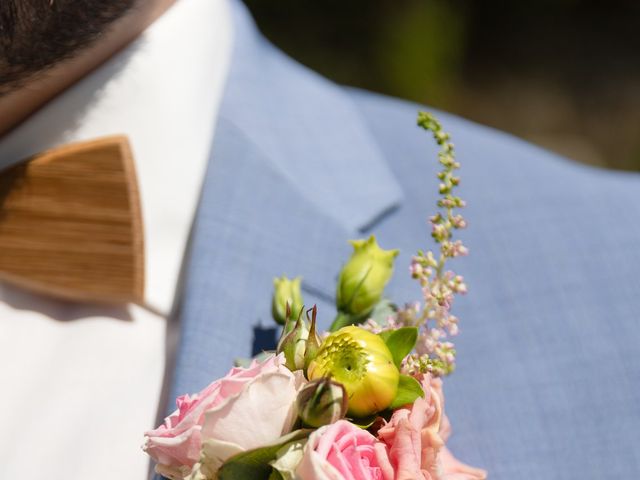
[343, 320]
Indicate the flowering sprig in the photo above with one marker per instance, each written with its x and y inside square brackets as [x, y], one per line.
[435, 353]
[364, 277]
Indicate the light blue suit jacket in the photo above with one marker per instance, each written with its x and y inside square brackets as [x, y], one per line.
[548, 380]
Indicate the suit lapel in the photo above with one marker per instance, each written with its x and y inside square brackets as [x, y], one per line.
[308, 128]
[293, 175]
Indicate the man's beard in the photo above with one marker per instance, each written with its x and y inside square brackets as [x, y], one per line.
[37, 34]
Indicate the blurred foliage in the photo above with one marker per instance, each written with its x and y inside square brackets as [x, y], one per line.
[422, 49]
[562, 73]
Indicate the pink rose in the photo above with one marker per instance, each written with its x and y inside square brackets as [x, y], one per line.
[415, 439]
[341, 451]
[232, 410]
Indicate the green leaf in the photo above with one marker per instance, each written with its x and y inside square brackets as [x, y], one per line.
[364, 422]
[275, 475]
[242, 362]
[380, 312]
[261, 357]
[254, 464]
[408, 391]
[400, 342]
[344, 320]
[385, 335]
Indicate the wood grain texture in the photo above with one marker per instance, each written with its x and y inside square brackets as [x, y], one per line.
[71, 224]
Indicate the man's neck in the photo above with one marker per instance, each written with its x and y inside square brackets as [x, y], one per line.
[18, 105]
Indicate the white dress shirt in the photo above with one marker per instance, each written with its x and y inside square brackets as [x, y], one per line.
[81, 383]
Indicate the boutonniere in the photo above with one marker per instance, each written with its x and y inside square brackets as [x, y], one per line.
[361, 401]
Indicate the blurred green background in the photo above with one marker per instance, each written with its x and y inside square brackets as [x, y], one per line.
[564, 74]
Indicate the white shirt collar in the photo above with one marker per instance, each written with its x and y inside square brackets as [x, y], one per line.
[163, 91]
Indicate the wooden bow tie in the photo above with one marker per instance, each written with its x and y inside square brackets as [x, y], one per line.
[70, 223]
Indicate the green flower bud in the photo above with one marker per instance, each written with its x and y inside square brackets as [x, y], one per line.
[300, 341]
[293, 343]
[322, 402]
[313, 340]
[286, 291]
[363, 277]
[363, 364]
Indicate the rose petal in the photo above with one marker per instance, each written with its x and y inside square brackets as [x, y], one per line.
[405, 452]
[183, 449]
[175, 445]
[260, 414]
[453, 469]
[214, 454]
[382, 456]
[341, 451]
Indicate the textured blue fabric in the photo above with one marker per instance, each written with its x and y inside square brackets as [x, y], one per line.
[307, 127]
[548, 381]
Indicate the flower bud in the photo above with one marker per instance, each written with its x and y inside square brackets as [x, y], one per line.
[293, 344]
[322, 402]
[300, 341]
[313, 340]
[363, 277]
[363, 364]
[285, 291]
